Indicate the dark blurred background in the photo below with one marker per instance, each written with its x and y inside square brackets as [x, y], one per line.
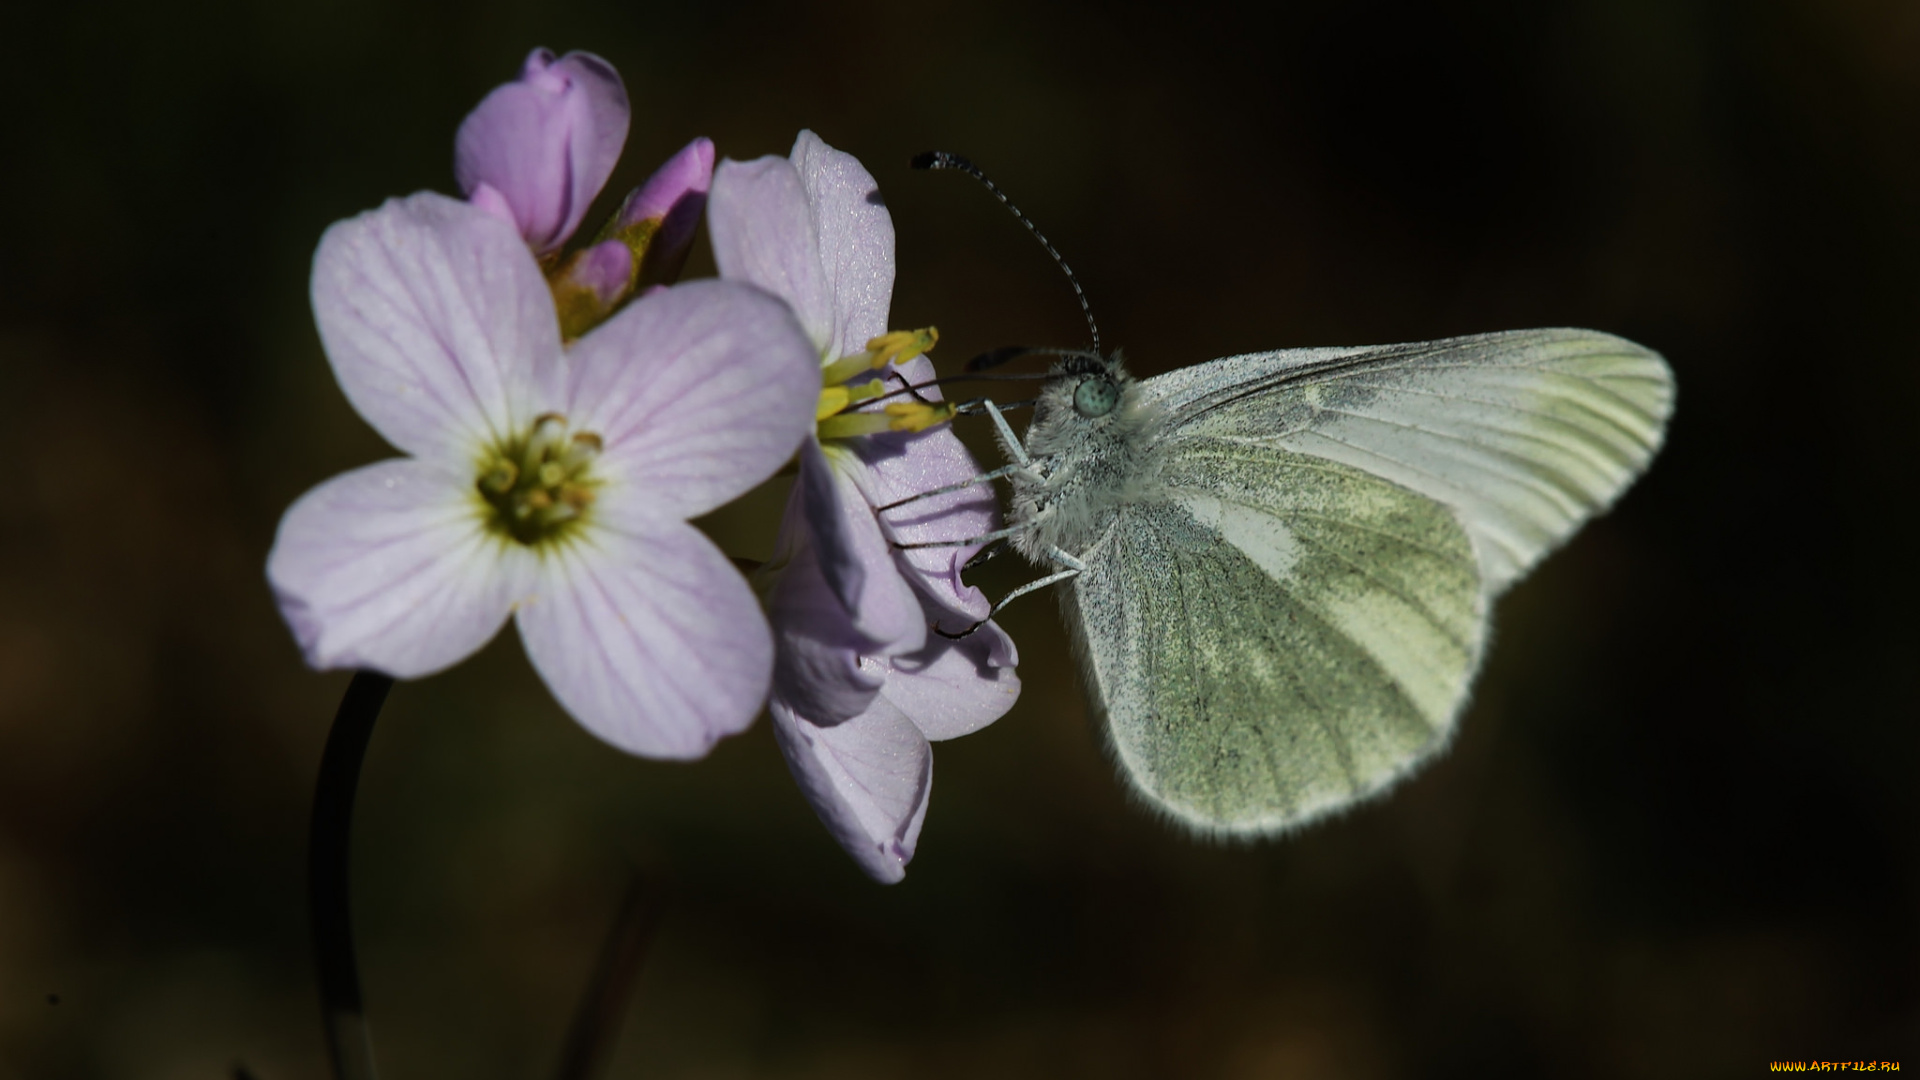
[1676, 836]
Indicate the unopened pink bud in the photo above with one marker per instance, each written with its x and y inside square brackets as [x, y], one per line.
[590, 284]
[545, 144]
[659, 218]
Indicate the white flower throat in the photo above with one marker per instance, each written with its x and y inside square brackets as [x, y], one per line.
[536, 487]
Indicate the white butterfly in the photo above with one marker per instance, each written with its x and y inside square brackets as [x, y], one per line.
[1277, 568]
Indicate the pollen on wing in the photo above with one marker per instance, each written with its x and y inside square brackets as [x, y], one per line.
[537, 486]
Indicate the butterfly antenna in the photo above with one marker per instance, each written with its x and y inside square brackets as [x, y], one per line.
[940, 159]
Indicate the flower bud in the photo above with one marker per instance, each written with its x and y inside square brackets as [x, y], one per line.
[536, 151]
[658, 219]
[589, 285]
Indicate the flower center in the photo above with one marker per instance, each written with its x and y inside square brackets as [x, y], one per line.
[537, 486]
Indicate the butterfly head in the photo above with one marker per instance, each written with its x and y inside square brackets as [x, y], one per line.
[1095, 392]
[1086, 396]
[1090, 440]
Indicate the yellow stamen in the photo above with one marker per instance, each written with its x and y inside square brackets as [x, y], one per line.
[837, 399]
[850, 425]
[900, 346]
[846, 368]
[918, 415]
[536, 487]
[832, 400]
[501, 477]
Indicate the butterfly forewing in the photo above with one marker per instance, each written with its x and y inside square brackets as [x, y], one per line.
[1276, 637]
[1524, 434]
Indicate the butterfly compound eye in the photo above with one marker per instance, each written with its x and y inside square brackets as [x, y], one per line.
[1095, 397]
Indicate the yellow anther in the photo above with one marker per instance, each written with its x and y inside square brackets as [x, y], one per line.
[832, 400]
[897, 346]
[918, 415]
[900, 346]
[838, 399]
[501, 477]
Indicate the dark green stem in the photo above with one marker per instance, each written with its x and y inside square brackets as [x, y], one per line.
[596, 1026]
[341, 1008]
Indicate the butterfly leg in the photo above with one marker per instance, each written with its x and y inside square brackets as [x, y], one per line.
[986, 554]
[1066, 560]
[1073, 569]
[983, 478]
[1009, 443]
[997, 534]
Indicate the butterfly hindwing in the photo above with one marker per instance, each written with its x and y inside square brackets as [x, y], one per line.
[1275, 636]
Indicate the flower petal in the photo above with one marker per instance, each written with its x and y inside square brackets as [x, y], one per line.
[816, 667]
[900, 465]
[699, 392]
[546, 143]
[854, 556]
[652, 641]
[389, 567]
[762, 229]
[953, 688]
[867, 778]
[855, 237]
[437, 322]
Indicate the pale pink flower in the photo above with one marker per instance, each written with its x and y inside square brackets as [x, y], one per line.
[861, 683]
[545, 482]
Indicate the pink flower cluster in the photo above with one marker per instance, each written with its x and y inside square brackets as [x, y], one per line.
[564, 408]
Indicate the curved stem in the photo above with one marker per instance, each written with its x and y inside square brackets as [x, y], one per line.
[596, 1024]
[340, 1004]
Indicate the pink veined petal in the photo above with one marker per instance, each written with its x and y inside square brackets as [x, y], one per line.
[437, 322]
[816, 667]
[388, 567]
[903, 464]
[953, 688]
[652, 641]
[762, 230]
[900, 466]
[855, 234]
[546, 143]
[699, 392]
[853, 554]
[867, 778]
